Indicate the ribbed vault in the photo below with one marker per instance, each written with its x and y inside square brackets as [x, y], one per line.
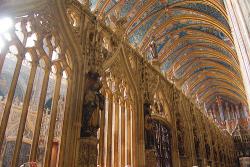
[193, 42]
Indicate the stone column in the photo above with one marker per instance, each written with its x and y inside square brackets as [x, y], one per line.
[134, 143]
[101, 139]
[39, 115]
[24, 114]
[140, 152]
[87, 155]
[65, 122]
[109, 131]
[122, 135]
[115, 152]
[128, 134]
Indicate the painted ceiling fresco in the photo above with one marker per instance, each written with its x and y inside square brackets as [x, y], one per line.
[193, 41]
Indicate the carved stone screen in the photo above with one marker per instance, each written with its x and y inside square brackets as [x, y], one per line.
[163, 145]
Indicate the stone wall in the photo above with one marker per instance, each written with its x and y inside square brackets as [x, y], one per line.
[239, 12]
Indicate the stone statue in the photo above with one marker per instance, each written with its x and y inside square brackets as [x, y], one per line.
[180, 136]
[158, 107]
[94, 101]
[153, 48]
[149, 127]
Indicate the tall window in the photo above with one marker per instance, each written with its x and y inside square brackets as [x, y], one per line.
[34, 75]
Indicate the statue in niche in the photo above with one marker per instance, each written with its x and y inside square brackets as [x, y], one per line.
[180, 136]
[153, 48]
[158, 107]
[149, 127]
[94, 101]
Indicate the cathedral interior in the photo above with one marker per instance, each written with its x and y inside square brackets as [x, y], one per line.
[124, 83]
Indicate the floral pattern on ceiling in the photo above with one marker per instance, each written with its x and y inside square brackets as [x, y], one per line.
[194, 43]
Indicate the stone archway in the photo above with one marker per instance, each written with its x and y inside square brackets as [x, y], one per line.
[163, 144]
[160, 154]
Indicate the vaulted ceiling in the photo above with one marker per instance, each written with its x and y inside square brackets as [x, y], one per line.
[193, 39]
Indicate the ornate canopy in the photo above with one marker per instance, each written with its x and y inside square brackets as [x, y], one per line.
[193, 42]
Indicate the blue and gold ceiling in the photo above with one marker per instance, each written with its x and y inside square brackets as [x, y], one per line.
[193, 39]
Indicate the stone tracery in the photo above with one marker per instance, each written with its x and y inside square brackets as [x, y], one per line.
[128, 82]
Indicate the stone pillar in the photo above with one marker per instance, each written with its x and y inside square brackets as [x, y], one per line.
[65, 122]
[150, 158]
[128, 134]
[101, 139]
[140, 156]
[133, 143]
[109, 131]
[115, 153]
[122, 135]
[87, 154]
